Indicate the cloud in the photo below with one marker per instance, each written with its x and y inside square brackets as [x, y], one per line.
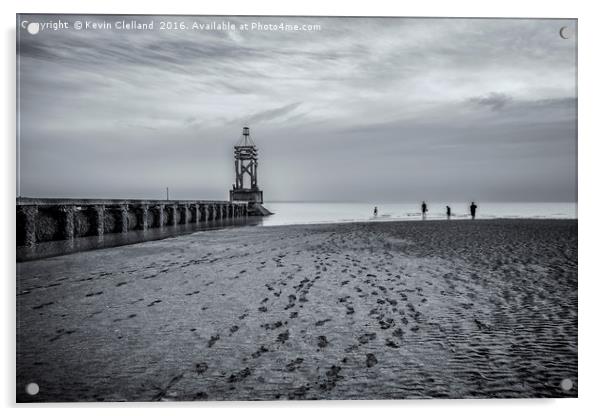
[272, 114]
[495, 101]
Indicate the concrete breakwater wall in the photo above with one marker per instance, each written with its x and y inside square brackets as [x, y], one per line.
[52, 219]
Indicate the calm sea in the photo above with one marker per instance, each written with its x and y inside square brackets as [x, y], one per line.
[312, 213]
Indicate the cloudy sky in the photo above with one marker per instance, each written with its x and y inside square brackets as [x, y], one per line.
[378, 109]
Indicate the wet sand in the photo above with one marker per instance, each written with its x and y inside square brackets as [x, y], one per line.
[460, 309]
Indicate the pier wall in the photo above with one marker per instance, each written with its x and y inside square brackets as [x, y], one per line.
[51, 219]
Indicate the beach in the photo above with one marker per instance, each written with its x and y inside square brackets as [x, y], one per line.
[367, 310]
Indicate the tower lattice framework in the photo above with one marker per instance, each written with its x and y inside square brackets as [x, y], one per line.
[245, 161]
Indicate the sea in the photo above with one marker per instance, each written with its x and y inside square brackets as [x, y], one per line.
[286, 213]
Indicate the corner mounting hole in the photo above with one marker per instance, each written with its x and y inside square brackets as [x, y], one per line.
[32, 389]
[566, 384]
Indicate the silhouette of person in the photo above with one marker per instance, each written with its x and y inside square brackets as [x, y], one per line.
[473, 210]
[375, 211]
[448, 211]
[424, 210]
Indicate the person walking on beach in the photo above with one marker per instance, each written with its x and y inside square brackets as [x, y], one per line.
[448, 211]
[376, 211]
[473, 210]
[424, 210]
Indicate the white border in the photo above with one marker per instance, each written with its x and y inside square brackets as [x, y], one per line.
[590, 200]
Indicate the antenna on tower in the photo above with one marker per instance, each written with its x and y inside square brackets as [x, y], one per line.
[245, 139]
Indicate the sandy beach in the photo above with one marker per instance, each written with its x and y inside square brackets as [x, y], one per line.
[392, 310]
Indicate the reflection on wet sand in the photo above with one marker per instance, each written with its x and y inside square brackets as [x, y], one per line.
[58, 248]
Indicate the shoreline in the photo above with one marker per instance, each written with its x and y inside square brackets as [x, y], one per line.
[401, 220]
[416, 309]
[82, 244]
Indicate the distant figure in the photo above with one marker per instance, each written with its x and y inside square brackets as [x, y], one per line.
[424, 210]
[375, 211]
[473, 210]
[448, 211]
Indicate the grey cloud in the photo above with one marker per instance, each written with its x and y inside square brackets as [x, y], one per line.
[420, 108]
[271, 114]
[494, 100]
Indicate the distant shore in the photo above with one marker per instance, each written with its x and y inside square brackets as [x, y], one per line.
[359, 310]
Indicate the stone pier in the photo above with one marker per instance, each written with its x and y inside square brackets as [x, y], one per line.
[52, 219]
[28, 224]
[67, 221]
[142, 216]
[98, 219]
[122, 218]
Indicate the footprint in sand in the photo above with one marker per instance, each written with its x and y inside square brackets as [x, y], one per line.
[213, 340]
[240, 376]
[259, 352]
[332, 377]
[367, 337]
[371, 360]
[200, 368]
[298, 393]
[272, 326]
[291, 302]
[387, 323]
[322, 341]
[294, 365]
[391, 343]
[283, 337]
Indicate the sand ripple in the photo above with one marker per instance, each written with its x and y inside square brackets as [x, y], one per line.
[351, 311]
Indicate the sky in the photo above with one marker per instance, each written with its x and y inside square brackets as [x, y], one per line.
[357, 109]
